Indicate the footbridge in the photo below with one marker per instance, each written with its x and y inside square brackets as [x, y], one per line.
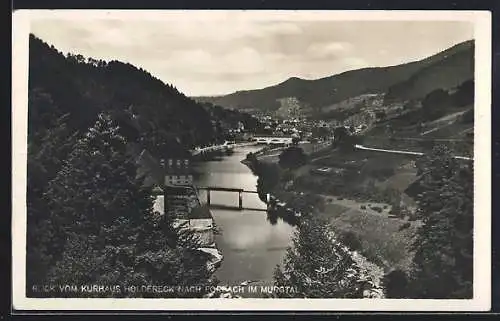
[240, 192]
[273, 140]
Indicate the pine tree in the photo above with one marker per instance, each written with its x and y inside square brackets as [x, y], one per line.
[170, 255]
[96, 204]
[316, 266]
[47, 148]
[443, 245]
[395, 284]
[105, 227]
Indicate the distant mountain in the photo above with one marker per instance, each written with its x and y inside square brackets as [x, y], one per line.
[447, 70]
[413, 80]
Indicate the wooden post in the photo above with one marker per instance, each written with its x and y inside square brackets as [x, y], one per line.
[240, 200]
[208, 196]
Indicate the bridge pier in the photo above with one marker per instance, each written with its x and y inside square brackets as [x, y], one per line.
[225, 189]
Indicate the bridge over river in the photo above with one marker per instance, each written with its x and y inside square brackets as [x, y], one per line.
[252, 245]
[240, 192]
[221, 147]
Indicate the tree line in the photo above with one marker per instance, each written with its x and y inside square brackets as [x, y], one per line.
[90, 218]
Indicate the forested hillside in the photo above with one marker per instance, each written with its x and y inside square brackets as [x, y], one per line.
[446, 69]
[145, 107]
[90, 218]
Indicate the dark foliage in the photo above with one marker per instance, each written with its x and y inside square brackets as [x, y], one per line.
[404, 226]
[444, 244]
[396, 285]
[148, 111]
[83, 199]
[351, 240]
[292, 157]
[345, 140]
[465, 94]
[100, 228]
[434, 104]
[315, 265]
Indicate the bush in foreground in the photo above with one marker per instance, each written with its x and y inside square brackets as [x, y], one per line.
[315, 265]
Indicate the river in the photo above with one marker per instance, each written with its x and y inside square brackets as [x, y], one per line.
[250, 244]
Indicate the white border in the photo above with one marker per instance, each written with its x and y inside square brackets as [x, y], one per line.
[482, 163]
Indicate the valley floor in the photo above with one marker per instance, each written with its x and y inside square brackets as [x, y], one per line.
[385, 239]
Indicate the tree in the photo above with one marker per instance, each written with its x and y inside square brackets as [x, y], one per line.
[351, 240]
[435, 103]
[269, 176]
[292, 157]
[47, 149]
[320, 132]
[315, 265]
[104, 226]
[443, 245]
[93, 195]
[344, 139]
[465, 94]
[381, 115]
[396, 285]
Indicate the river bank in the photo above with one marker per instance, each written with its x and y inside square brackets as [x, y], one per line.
[286, 204]
[251, 245]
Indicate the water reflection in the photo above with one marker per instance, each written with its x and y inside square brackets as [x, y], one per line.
[252, 242]
[274, 214]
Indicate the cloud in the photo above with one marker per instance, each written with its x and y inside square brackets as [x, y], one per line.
[281, 28]
[328, 49]
[206, 56]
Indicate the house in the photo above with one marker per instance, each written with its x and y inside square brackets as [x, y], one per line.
[148, 168]
[178, 172]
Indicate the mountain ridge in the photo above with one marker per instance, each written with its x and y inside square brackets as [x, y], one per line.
[314, 93]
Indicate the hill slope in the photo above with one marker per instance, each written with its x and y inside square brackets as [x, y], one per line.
[81, 88]
[412, 80]
[151, 113]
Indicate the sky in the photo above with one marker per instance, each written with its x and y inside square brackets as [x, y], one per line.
[219, 56]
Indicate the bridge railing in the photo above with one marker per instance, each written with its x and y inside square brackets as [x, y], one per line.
[240, 192]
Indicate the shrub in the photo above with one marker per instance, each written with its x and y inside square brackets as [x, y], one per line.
[351, 240]
[292, 157]
[385, 207]
[377, 209]
[363, 207]
[396, 284]
[404, 226]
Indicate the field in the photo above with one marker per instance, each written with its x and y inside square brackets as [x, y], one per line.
[381, 240]
[451, 130]
[379, 233]
[359, 201]
[366, 172]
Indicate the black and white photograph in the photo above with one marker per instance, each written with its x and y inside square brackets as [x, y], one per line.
[221, 158]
